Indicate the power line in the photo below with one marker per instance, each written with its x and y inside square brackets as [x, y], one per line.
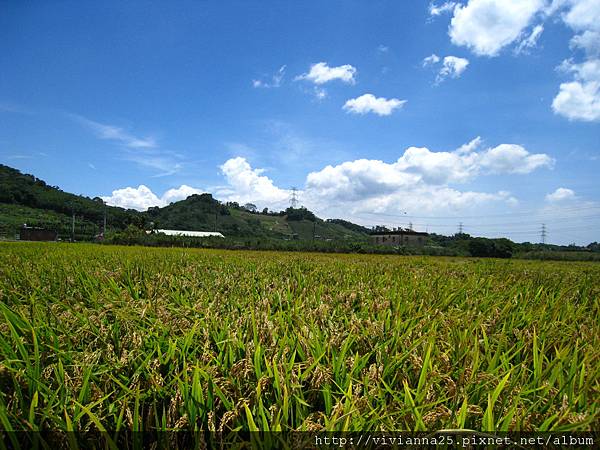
[573, 221]
[528, 223]
[565, 222]
[529, 213]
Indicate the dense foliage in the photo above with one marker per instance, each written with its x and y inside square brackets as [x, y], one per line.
[26, 190]
[297, 214]
[150, 339]
[350, 225]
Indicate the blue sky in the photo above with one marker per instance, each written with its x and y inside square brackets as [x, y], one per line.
[485, 112]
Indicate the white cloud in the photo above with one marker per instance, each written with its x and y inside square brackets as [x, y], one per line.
[166, 163]
[375, 186]
[487, 26]
[583, 15]
[445, 7]
[531, 40]
[589, 41]
[320, 93]
[321, 73]
[383, 48]
[580, 99]
[420, 179]
[439, 167]
[368, 103]
[586, 71]
[248, 185]
[140, 198]
[430, 60]
[27, 155]
[180, 193]
[145, 152]
[358, 180]
[275, 82]
[114, 133]
[470, 146]
[560, 194]
[453, 67]
[512, 158]
[465, 163]
[352, 187]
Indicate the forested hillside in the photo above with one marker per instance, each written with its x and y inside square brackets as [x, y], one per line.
[204, 213]
[25, 199]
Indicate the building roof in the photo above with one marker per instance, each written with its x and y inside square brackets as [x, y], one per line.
[398, 232]
[191, 233]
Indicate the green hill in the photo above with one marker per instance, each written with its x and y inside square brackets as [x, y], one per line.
[25, 199]
[204, 213]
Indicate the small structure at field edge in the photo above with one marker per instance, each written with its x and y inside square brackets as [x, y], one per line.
[37, 234]
[199, 234]
[397, 237]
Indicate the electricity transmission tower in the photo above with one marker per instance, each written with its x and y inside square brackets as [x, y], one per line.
[460, 228]
[543, 233]
[294, 198]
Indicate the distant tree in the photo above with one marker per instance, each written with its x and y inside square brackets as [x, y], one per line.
[133, 231]
[481, 247]
[594, 247]
[503, 248]
[297, 214]
[488, 248]
[265, 211]
[381, 229]
[349, 225]
[153, 211]
[250, 207]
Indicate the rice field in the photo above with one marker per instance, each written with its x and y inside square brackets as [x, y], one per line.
[120, 338]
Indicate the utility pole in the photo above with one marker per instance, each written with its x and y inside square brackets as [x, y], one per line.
[410, 226]
[543, 233]
[73, 227]
[104, 224]
[314, 229]
[216, 217]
